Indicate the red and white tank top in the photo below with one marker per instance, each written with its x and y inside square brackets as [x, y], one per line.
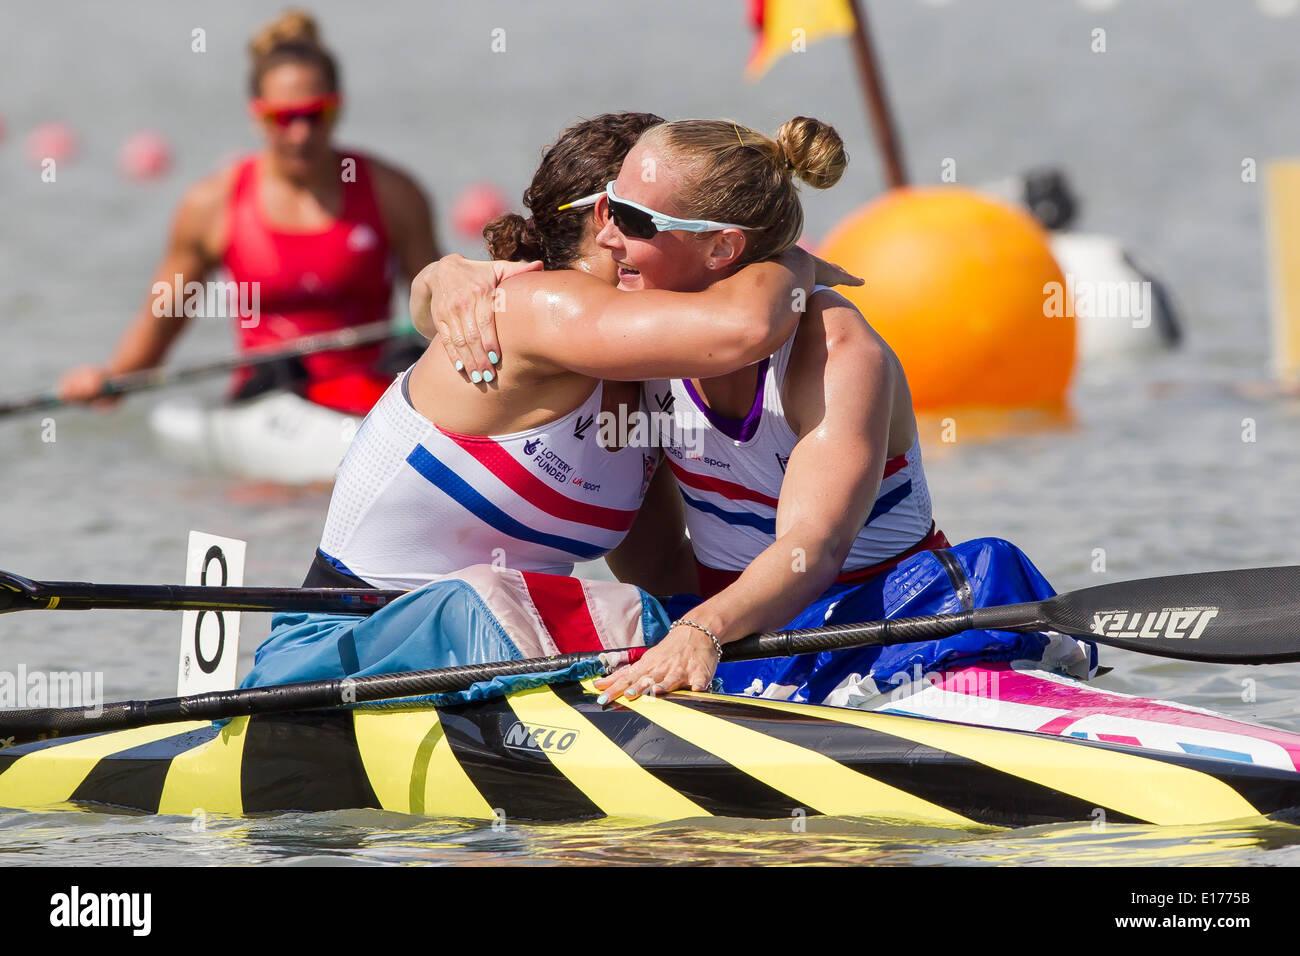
[730, 474]
[413, 500]
[313, 282]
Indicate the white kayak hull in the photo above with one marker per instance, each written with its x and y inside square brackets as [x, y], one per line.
[278, 437]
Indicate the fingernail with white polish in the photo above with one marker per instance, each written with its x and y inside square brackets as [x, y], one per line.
[493, 357]
[460, 366]
[602, 700]
[476, 376]
[488, 376]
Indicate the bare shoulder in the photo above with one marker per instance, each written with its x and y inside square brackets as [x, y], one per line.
[200, 220]
[396, 188]
[207, 198]
[544, 314]
[561, 293]
[835, 331]
[837, 361]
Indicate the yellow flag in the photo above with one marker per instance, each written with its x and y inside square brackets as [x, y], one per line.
[1282, 221]
[788, 26]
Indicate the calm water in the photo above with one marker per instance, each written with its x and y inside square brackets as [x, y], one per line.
[1153, 134]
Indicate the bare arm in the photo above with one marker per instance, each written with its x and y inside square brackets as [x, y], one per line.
[408, 216]
[148, 338]
[830, 485]
[656, 554]
[455, 299]
[576, 322]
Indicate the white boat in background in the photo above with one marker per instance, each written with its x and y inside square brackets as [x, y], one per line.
[277, 436]
[1119, 307]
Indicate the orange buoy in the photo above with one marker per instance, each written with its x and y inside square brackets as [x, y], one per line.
[965, 290]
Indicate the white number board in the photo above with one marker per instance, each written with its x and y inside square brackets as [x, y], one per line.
[210, 639]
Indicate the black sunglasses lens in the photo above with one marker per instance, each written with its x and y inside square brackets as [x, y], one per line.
[632, 221]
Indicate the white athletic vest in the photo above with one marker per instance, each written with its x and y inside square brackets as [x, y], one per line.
[730, 473]
[413, 500]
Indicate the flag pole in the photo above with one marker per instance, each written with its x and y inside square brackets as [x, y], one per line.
[873, 89]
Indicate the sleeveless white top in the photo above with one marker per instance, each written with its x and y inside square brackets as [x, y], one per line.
[730, 476]
[413, 500]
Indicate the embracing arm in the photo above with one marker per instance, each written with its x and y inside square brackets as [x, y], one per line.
[578, 323]
[830, 486]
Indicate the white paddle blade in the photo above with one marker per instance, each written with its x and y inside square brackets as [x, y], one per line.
[210, 639]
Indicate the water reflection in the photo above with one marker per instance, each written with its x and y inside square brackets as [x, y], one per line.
[373, 837]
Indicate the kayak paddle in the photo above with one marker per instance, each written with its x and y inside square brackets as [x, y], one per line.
[157, 377]
[22, 594]
[1250, 616]
[1245, 617]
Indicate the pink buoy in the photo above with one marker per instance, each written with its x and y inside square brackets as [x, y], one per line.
[56, 141]
[475, 208]
[144, 155]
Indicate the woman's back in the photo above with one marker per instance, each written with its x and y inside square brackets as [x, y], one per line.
[415, 499]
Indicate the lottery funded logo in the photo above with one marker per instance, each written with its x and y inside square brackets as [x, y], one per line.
[549, 463]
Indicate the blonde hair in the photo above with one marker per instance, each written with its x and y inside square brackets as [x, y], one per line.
[731, 173]
[292, 37]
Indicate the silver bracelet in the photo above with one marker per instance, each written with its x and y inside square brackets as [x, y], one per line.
[687, 622]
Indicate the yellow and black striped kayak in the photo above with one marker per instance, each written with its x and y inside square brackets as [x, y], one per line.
[551, 753]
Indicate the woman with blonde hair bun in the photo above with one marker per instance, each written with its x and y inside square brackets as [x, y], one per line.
[314, 228]
[801, 475]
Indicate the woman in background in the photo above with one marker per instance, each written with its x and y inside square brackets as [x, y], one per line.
[315, 229]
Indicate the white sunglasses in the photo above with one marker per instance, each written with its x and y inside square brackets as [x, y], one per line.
[642, 222]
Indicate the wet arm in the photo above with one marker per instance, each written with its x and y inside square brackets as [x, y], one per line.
[830, 486]
[583, 325]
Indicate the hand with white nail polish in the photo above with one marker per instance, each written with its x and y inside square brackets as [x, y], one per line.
[685, 658]
[453, 299]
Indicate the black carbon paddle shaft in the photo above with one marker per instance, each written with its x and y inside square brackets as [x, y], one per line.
[31, 724]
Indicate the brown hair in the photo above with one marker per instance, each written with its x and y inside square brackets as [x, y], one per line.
[730, 173]
[290, 38]
[586, 156]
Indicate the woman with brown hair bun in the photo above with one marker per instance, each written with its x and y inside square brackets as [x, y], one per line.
[309, 233]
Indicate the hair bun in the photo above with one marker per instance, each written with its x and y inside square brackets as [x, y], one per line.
[512, 237]
[813, 150]
[292, 26]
